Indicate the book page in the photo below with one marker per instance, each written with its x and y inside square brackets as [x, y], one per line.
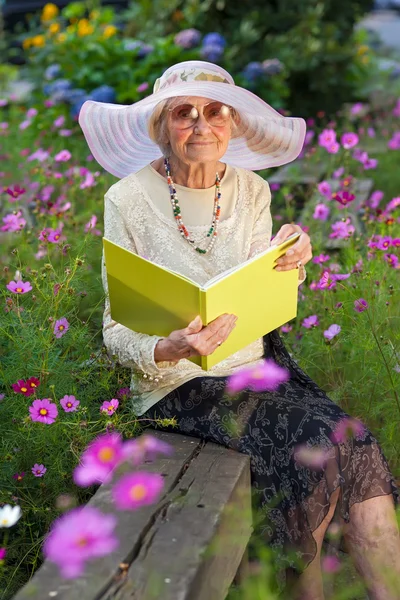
[226, 273]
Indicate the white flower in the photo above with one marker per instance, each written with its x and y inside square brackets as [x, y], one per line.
[9, 515]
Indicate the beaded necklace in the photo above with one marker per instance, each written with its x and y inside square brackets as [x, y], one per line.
[212, 232]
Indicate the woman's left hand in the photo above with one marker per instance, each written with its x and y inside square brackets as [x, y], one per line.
[300, 251]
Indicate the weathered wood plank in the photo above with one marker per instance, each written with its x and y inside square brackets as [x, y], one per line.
[131, 528]
[301, 171]
[204, 484]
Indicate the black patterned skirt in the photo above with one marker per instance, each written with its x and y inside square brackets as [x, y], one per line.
[291, 496]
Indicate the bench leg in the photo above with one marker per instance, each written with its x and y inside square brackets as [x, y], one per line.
[243, 569]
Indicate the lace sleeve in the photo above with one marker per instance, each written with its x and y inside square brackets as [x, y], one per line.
[262, 227]
[132, 349]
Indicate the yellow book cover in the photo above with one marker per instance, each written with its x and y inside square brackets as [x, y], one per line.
[152, 299]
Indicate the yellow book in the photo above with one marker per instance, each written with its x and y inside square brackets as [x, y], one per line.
[155, 300]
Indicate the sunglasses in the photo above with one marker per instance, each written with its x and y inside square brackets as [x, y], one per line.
[186, 115]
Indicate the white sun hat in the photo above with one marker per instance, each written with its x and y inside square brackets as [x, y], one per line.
[118, 135]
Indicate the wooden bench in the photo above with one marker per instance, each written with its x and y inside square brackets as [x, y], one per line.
[189, 546]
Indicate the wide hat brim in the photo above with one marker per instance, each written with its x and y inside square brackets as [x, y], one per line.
[118, 137]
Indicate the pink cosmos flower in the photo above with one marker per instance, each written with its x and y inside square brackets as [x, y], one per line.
[89, 181]
[327, 138]
[78, 536]
[54, 236]
[124, 392]
[15, 192]
[142, 87]
[349, 140]
[13, 222]
[321, 258]
[109, 407]
[357, 108]
[314, 457]
[91, 226]
[375, 198]
[137, 489]
[333, 148]
[265, 376]
[3, 553]
[371, 132]
[343, 198]
[145, 448]
[384, 243]
[63, 156]
[347, 428]
[360, 305]
[39, 155]
[286, 328]
[330, 563]
[59, 122]
[99, 459]
[392, 260]
[19, 287]
[43, 411]
[26, 388]
[311, 321]
[321, 212]
[65, 132]
[342, 229]
[69, 403]
[328, 280]
[396, 242]
[332, 331]
[19, 476]
[38, 470]
[60, 327]
[325, 189]
[338, 173]
[370, 163]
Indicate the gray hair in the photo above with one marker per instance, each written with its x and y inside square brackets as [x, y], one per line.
[157, 125]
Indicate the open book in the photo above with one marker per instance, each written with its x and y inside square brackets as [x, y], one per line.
[153, 299]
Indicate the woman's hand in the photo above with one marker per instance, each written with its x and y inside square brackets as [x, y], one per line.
[300, 251]
[195, 339]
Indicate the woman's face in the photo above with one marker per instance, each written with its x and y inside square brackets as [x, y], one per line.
[200, 142]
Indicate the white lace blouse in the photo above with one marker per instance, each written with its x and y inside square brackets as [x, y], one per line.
[137, 217]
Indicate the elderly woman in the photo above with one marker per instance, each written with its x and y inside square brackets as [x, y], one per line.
[188, 199]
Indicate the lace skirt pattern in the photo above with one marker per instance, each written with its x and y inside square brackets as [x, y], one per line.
[292, 498]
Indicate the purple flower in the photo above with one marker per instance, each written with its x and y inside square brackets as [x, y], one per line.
[69, 403]
[332, 331]
[145, 448]
[321, 258]
[78, 536]
[349, 140]
[347, 428]
[330, 564]
[214, 39]
[38, 470]
[360, 305]
[59, 122]
[13, 222]
[342, 229]
[39, 155]
[43, 411]
[357, 108]
[384, 243]
[344, 198]
[63, 156]
[325, 189]
[60, 327]
[54, 236]
[3, 553]
[137, 489]
[109, 407]
[19, 287]
[265, 376]
[311, 321]
[188, 38]
[99, 459]
[327, 138]
[142, 87]
[375, 198]
[392, 260]
[311, 457]
[212, 52]
[321, 212]
[338, 173]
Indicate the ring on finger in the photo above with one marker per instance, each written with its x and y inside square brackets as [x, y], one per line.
[299, 264]
[219, 342]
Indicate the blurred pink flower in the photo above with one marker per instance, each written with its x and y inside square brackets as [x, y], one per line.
[38, 470]
[60, 327]
[286, 328]
[343, 198]
[88, 182]
[311, 321]
[65, 132]
[3, 553]
[265, 376]
[342, 229]
[63, 156]
[43, 411]
[347, 428]
[312, 457]
[90, 226]
[99, 459]
[338, 173]
[24, 124]
[15, 192]
[137, 489]
[325, 189]
[327, 137]
[333, 148]
[360, 305]
[13, 222]
[19, 287]
[54, 236]
[349, 140]
[321, 212]
[394, 203]
[384, 243]
[39, 155]
[145, 448]
[19, 476]
[59, 122]
[109, 407]
[69, 403]
[142, 87]
[332, 331]
[375, 198]
[330, 563]
[321, 258]
[78, 536]
[392, 260]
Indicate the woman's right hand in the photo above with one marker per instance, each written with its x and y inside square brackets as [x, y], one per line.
[195, 339]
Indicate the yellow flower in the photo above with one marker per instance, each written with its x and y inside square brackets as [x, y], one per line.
[362, 49]
[94, 14]
[27, 43]
[61, 38]
[109, 31]
[84, 27]
[54, 28]
[38, 41]
[49, 12]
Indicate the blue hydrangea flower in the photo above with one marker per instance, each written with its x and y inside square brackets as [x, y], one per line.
[104, 93]
[76, 107]
[52, 72]
[188, 38]
[253, 71]
[211, 52]
[272, 66]
[214, 39]
[59, 85]
[144, 49]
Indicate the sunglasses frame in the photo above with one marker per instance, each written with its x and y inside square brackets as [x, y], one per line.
[204, 106]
